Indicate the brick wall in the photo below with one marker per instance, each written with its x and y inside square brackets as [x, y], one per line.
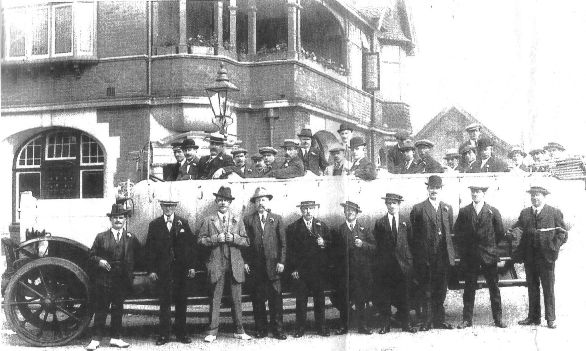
[122, 28]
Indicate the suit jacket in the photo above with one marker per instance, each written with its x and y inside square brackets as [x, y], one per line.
[414, 167]
[166, 250]
[243, 172]
[364, 169]
[103, 249]
[425, 231]
[548, 243]
[268, 244]
[465, 168]
[395, 159]
[291, 168]
[391, 248]
[429, 165]
[493, 164]
[171, 171]
[349, 258]
[190, 174]
[224, 254]
[314, 160]
[303, 253]
[343, 168]
[477, 236]
[207, 166]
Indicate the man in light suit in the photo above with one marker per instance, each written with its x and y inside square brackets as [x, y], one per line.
[478, 230]
[361, 167]
[223, 232]
[112, 258]
[171, 260]
[313, 158]
[433, 252]
[543, 233]
[307, 239]
[188, 169]
[265, 262]
[339, 166]
[394, 263]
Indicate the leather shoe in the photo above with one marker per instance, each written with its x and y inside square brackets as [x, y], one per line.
[299, 333]
[443, 325]
[465, 324]
[425, 327]
[409, 329]
[499, 324]
[259, 334]
[279, 336]
[364, 330]
[529, 321]
[551, 324]
[342, 331]
[184, 339]
[162, 340]
[385, 329]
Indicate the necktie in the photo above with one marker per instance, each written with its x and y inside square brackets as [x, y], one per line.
[169, 223]
[118, 236]
[351, 227]
[394, 226]
[263, 218]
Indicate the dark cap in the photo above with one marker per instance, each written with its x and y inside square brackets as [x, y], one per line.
[118, 210]
[553, 145]
[516, 150]
[256, 157]
[239, 151]
[483, 143]
[356, 141]
[176, 146]
[538, 189]
[289, 143]
[189, 144]
[407, 145]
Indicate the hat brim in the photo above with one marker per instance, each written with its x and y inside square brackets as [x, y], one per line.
[352, 207]
[123, 213]
[224, 197]
[540, 190]
[308, 205]
[168, 203]
[391, 199]
[253, 199]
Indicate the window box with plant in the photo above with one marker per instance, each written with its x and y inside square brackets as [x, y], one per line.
[202, 45]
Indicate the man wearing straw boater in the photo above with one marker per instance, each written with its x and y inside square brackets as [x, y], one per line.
[543, 233]
[171, 260]
[223, 232]
[112, 256]
[307, 239]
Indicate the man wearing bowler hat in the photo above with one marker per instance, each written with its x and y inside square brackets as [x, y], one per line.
[112, 258]
[543, 233]
[487, 162]
[313, 158]
[433, 252]
[361, 167]
[426, 162]
[410, 165]
[478, 231]
[171, 260]
[352, 247]
[292, 167]
[307, 239]
[346, 132]
[188, 169]
[223, 232]
[209, 164]
[265, 262]
[339, 166]
[394, 262]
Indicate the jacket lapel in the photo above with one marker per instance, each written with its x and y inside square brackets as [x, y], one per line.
[430, 211]
[217, 223]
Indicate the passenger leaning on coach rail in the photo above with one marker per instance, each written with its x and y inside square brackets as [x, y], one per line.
[239, 169]
[361, 167]
[426, 162]
[517, 155]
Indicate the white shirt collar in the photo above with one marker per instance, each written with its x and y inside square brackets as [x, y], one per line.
[537, 208]
[353, 223]
[483, 162]
[222, 215]
[478, 207]
[115, 232]
[390, 216]
[434, 203]
[172, 217]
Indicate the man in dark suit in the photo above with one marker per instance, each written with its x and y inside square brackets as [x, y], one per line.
[487, 162]
[171, 171]
[307, 239]
[209, 164]
[313, 158]
[410, 165]
[474, 131]
[433, 252]
[346, 132]
[223, 232]
[171, 260]
[395, 157]
[188, 169]
[543, 233]
[467, 160]
[259, 168]
[265, 261]
[292, 167]
[112, 258]
[426, 162]
[268, 154]
[352, 247]
[361, 167]
[478, 230]
[339, 166]
[239, 168]
[394, 263]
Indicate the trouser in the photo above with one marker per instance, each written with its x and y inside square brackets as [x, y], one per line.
[434, 287]
[172, 289]
[305, 286]
[352, 292]
[108, 299]
[217, 290]
[471, 284]
[271, 289]
[536, 272]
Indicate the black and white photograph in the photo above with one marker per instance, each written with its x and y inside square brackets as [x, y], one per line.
[356, 175]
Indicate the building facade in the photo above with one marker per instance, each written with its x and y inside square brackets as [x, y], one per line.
[94, 92]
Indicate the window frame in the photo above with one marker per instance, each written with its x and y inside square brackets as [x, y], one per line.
[53, 29]
[47, 135]
[24, 149]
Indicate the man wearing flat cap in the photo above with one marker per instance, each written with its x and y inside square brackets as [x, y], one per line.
[361, 167]
[339, 166]
[112, 258]
[224, 234]
[487, 162]
[188, 169]
[394, 263]
[258, 166]
[517, 155]
[239, 168]
[543, 233]
[313, 158]
[467, 160]
[452, 161]
[473, 131]
[410, 165]
[171, 260]
[555, 150]
[209, 164]
[433, 252]
[307, 239]
[426, 162]
[352, 247]
[265, 260]
[478, 231]
[346, 132]
[268, 153]
[292, 167]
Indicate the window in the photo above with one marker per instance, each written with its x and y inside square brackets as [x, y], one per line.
[61, 164]
[46, 31]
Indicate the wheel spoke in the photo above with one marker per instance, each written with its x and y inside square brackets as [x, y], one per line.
[30, 288]
[67, 313]
[42, 326]
[45, 286]
[62, 301]
[30, 302]
[56, 328]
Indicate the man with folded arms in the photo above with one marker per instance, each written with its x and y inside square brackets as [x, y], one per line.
[223, 232]
[478, 230]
